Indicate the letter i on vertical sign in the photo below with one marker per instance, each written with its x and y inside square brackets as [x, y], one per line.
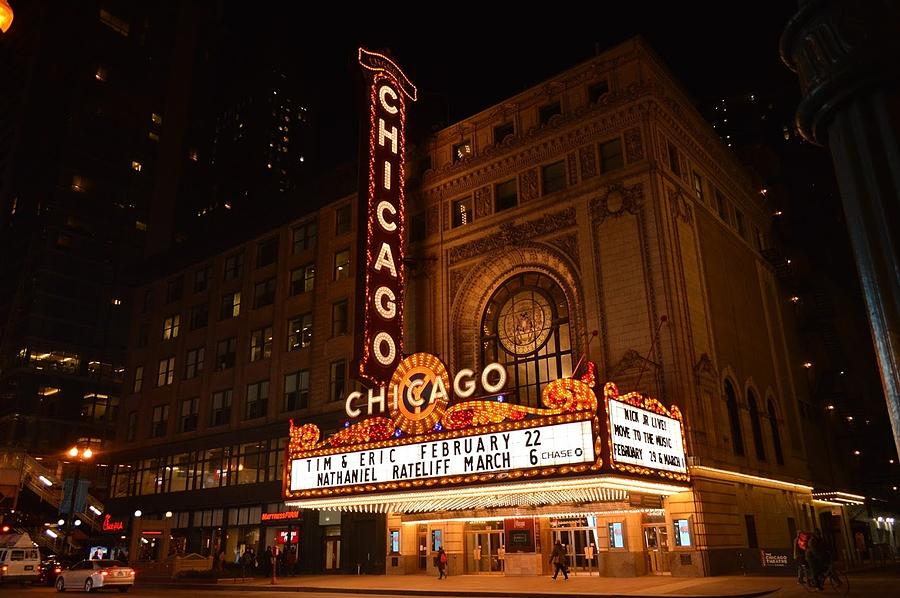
[378, 325]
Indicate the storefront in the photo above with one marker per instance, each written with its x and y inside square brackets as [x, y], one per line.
[496, 484]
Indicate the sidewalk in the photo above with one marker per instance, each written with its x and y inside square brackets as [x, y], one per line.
[499, 586]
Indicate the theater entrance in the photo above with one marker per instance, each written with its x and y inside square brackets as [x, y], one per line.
[484, 550]
[656, 543]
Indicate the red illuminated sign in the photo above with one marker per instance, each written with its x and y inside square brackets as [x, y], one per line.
[280, 516]
[379, 325]
[112, 526]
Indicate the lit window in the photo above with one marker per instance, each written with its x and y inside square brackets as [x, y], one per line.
[138, 379]
[117, 302]
[166, 373]
[136, 166]
[113, 22]
[194, 363]
[78, 183]
[156, 119]
[342, 265]
[101, 73]
[261, 344]
[192, 154]
[462, 212]
[170, 327]
[303, 279]
[462, 150]
[300, 332]
[153, 136]
[140, 225]
[231, 305]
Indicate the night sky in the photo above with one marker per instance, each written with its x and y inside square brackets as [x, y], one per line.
[464, 61]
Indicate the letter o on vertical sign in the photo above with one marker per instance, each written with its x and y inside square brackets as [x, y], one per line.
[381, 280]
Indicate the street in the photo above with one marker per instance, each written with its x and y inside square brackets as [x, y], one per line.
[881, 582]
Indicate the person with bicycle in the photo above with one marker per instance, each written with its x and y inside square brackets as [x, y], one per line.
[818, 557]
[800, 543]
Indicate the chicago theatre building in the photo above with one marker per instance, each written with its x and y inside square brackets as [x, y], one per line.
[592, 349]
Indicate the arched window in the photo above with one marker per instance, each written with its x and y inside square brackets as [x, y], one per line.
[737, 439]
[526, 328]
[776, 437]
[756, 426]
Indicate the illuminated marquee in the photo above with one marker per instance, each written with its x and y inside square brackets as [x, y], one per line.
[426, 441]
[379, 325]
[645, 437]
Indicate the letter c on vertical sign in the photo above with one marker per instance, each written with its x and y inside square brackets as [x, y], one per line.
[386, 206]
[386, 92]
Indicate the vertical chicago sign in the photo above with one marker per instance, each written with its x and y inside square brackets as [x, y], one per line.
[379, 324]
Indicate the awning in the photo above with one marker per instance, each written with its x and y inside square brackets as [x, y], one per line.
[587, 489]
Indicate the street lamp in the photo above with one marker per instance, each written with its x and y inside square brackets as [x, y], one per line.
[79, 455]
[6, 16]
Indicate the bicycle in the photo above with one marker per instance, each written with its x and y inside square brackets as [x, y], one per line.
[837, 580]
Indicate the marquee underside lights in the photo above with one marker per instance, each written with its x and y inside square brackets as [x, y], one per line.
[379, 321]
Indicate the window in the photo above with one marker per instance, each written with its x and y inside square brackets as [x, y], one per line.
[160, 421]
[231, 305]
[234, 266]
[776, 437]
[257, 400]
[296, 390]
[101, 74]
[174, 289]
[501, 132]
[261, 344]
[755, 426]
[156, 119]
[267, 252]
[188, 421]
[138, 379]
[148, 301]
[131, 433]
[598, 90]
[299, 332]
[462, 212]
[136, 166]
[338, 379]
[682, 532]
[674, 161]
[142, 335]
[201, 279]
[221, 408]
[750, 522]
[544, 352]
[611, 156]
[303, 279]
[739, 223]
[462, 150]
[225, 350]
[305, 236]
[264, 293]
[199, 316]
[698, 185]
[553, 177]
[342, 219]
[505, 195]
[170, 327]
[722, 206]
[339, 318]
[342, 264]
[418, 227]
[734, 418]
[545, 113]
[166, 372]
[616, 535]
[194, 363]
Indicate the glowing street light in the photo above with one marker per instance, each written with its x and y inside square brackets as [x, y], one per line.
[6, 16]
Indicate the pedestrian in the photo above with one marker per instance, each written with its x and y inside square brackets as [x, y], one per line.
[560, 561]
[817, 558]
[267, 562]
[442, 561]
[800, 542]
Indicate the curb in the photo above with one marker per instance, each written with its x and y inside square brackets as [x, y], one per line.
[436, 592]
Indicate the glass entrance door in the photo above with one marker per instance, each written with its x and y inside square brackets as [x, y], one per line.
[575, 540]
[483, 551]
[656, 543]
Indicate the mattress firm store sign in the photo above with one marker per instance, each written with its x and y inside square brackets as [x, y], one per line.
[542, 446]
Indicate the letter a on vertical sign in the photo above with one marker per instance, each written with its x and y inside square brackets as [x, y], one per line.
[379, 322]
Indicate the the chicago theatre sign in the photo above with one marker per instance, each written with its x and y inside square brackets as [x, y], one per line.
[425, 433]
[379, 322]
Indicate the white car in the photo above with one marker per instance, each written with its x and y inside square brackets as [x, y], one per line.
[93, 575]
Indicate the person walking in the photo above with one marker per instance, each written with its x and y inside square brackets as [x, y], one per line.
[817, 557]
[442, 561]
[560, 560]
[801, 540]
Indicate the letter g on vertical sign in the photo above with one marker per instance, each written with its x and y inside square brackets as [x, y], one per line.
[378, 325]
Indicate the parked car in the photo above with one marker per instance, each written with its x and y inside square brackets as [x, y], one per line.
[94, 575]
[51, 567]
[19, 559]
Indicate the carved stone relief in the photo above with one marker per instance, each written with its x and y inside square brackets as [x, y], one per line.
[634, 146]
[588, 160]
[569, 245]
[483, 202]
[681, 207]
[616, 200]
[528, 185]
[572, 167]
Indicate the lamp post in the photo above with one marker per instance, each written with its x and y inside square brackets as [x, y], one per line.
[80, 456]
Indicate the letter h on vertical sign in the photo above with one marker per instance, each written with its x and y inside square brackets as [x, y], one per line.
[379, 324]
